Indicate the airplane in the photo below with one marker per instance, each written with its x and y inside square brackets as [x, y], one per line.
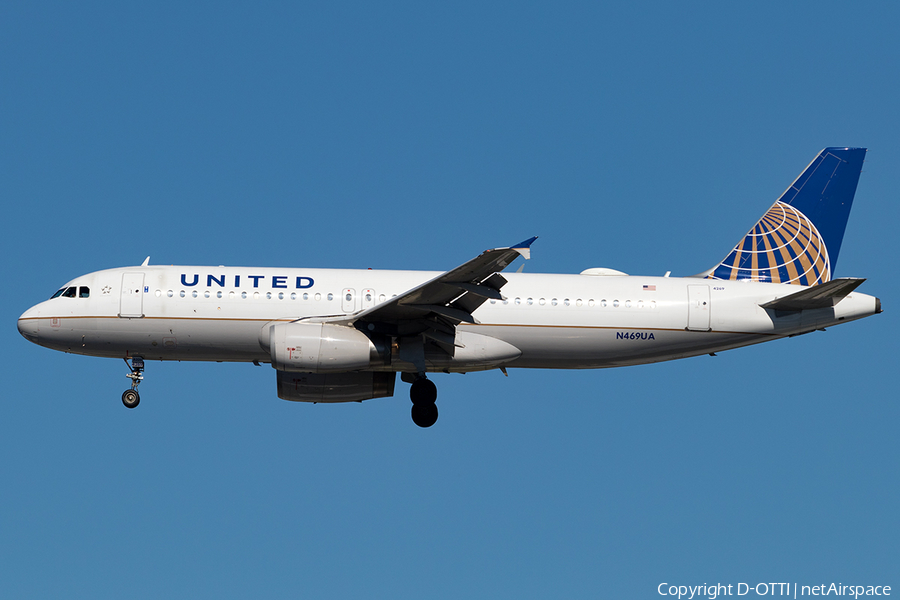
[339, 335]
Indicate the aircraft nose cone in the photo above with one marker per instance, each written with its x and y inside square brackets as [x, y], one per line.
[27, 327]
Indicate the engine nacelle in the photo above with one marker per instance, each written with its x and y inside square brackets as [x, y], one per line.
[335, 387]
[320, 348]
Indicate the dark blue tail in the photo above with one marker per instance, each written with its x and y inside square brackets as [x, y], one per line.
[798, 240]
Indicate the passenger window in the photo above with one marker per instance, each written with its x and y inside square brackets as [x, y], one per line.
[84, 292]
[69, 293]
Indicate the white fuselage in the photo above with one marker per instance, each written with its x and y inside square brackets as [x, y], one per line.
[555, 321]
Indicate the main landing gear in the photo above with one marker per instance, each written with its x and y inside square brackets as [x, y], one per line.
[423, 394]
[131, 398]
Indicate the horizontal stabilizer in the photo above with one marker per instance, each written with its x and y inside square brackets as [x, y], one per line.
[823, 295]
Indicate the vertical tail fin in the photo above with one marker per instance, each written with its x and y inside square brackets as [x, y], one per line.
[798, 240]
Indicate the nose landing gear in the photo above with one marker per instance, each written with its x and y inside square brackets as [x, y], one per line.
[131, 398]
[423, 394]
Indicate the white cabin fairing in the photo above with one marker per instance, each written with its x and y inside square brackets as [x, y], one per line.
[544, 320]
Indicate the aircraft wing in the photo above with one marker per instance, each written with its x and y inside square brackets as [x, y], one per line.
[823, 295]
[453, 295]
[431, 311]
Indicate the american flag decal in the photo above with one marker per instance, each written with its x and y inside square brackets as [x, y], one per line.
[649, 288]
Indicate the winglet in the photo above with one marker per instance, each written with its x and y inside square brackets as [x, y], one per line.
[524, 248]
[146, 262]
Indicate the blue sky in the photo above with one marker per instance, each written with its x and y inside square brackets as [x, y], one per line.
[644, 137]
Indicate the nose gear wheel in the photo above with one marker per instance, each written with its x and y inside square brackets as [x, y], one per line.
[131, 398]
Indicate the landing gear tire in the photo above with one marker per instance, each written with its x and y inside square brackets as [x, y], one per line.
[423, 391]
[423, 394]
[425, 414]
[130, 398]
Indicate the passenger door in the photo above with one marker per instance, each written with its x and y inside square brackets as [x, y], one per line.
[698, 308]
[131, 302]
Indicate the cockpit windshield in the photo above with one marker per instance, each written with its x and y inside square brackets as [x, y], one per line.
[72, 292]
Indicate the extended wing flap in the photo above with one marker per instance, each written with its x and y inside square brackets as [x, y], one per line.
[823, 295]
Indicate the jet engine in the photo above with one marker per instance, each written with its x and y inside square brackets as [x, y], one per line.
[321, 348]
